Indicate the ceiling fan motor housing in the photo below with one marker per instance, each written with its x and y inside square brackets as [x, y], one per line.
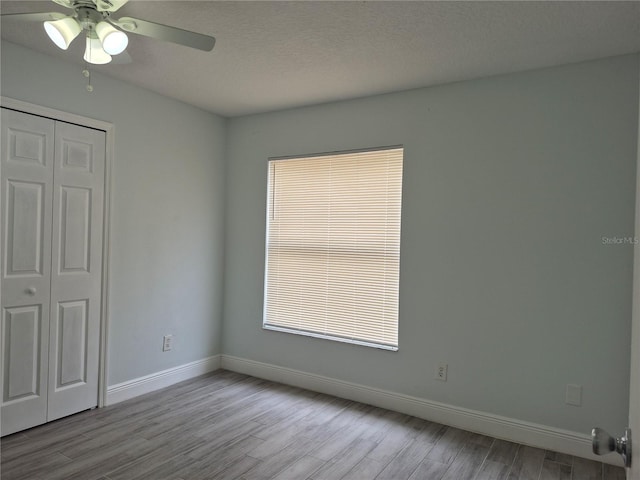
[89, 17]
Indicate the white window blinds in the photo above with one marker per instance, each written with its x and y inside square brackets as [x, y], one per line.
[333, 246]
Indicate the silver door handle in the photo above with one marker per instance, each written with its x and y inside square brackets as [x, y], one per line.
[31, 290]
[604, 443]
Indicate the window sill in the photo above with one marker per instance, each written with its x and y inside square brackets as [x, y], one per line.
[362, 343]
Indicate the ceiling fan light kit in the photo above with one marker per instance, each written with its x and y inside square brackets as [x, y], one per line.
[103, 40]
[62, 32]
[94, 53]
[113, 41]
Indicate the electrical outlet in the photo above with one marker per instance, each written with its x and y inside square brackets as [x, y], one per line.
[441, 372]
[167, 340]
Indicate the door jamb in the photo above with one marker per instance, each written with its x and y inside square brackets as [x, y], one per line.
[109, 130]
[634, 373]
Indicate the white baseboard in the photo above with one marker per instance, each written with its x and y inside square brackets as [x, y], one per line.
[518, 431]
[149, 383]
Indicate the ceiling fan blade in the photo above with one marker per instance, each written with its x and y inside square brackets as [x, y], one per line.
[34, 17]
[64, 3]
[108, 5]
[166, 33]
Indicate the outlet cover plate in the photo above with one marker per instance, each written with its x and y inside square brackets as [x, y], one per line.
[573, 395]
[441, 372]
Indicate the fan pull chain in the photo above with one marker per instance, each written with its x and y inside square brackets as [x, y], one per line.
[85, 71]
[87, 74]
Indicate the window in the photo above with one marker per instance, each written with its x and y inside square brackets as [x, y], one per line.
[333, 246]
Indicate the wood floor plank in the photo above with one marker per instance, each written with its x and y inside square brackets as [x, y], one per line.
[467, 463]
[328, 408]
[231, 426]
[34, 466]
[169, 469]
[448, 446]
[47, 437]
[527, 464]
[433, 431]
[429, 470]
[391, 444]
[300, 470]
[221, 460]
[491, 470]
[367, 468]
[276, 442]
[280, 460]
[503, 452]
[244, 410]
[14, 441]
[372, 421]
[482, 440]
[178, 419]
[342, 463]
[558, 457]
[102, 459]
[221, 438]
[613, 473]
[406, 462]
[293, 407]
[144, 457]
[555, 471]
[86, 468]
[339, 441]
[586, 469]
[232, 472]
[81, 445]
[338, 415]
[131, 423]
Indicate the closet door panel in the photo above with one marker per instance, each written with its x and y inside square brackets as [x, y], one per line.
[75, 232]
[76, 275]
[22, 333]
[24, 222]
[26, 167]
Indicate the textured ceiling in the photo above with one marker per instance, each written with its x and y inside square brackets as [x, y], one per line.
[275, 55]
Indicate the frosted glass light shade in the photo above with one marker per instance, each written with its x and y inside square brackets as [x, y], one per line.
[63, 31]
[113, 41]
[94, 53]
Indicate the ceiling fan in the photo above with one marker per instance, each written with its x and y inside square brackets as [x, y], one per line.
[103, 39]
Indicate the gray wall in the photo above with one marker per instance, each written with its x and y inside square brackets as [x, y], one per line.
[167, 211]
[510, 183]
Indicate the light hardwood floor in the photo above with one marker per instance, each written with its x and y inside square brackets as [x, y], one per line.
[231, 426]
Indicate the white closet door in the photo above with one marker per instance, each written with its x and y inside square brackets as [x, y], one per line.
[27, 180]
[52, 220]
[76, 269]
